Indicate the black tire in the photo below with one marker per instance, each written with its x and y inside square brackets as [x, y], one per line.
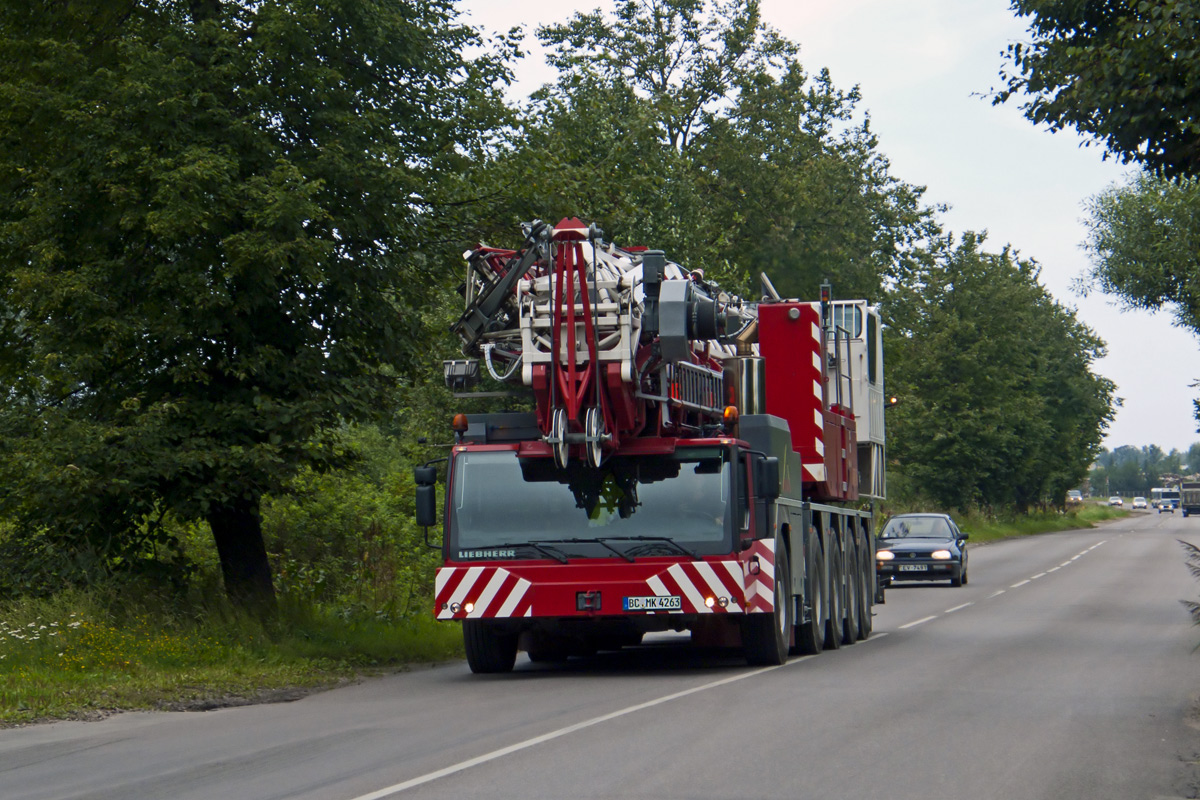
[810, 634]
[766, 637]
[867, 586]
[956, 579]
[851, 576]
[489, 649]
[833, 625]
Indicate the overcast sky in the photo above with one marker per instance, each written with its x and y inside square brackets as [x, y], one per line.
[921, 65]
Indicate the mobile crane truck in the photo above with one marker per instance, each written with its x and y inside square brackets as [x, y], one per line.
[694, 461]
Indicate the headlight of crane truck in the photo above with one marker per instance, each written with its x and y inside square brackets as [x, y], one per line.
[694, 461]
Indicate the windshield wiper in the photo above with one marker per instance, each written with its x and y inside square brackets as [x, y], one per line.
[665, 540]
[602, 541]
[551, 552]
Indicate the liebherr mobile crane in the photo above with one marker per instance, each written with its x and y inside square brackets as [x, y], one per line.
[694, 461]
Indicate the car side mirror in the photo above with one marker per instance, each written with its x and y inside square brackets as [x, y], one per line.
[962, 536]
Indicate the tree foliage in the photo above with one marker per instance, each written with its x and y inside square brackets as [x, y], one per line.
[691, 127]
[1144, 243]
[209, 246]
[1121, 71]
[999, 406]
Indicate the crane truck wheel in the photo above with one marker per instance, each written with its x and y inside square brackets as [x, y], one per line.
[851, 577]
[488, 649]
[833, 625]
[810, 633]
[766, 637]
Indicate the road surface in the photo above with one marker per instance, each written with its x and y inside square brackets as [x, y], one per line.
[1064, 669]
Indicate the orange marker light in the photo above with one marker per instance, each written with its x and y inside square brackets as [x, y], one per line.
[459, 423]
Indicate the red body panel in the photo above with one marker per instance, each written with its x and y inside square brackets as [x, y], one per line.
[516, 589]
[792, 344]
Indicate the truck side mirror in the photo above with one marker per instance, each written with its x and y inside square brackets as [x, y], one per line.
[426, 480]
[766, 478]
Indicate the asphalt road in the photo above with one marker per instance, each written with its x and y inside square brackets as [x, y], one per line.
[1064, 669]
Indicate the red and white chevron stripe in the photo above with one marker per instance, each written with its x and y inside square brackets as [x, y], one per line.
[742, 585]
[760, 580]
[474, 592]
[695, 581]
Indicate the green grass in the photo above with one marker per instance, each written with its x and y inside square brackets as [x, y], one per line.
[73, 657]
[985, 528]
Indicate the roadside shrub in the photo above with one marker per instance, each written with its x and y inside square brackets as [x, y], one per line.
[348, 539]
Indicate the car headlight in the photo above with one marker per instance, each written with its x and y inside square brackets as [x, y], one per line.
[885, 555]
[940, 555]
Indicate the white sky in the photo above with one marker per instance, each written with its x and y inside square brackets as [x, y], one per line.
[918, 64]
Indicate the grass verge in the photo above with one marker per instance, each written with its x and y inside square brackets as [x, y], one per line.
[74, 657]
[986, 528]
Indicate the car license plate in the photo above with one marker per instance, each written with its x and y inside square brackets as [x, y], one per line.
[914, 568]
[668, 603]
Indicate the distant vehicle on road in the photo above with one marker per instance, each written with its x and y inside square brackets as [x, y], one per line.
[1115, 500]
[1138, 502]
[1189, 497]
[1074, 497]
[922, 547]
[1162, 494]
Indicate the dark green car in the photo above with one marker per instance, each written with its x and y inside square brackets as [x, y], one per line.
[922, 547]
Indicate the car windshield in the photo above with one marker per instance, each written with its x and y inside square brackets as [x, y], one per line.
[917, 528]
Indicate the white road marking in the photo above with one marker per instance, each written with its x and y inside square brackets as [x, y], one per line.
[996, 594]
[1021, 583]
[1039, 575]
[918, 622]
[1053, 569]
[957, 608]
[555, 734]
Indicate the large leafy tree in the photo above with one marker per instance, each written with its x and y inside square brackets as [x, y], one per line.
[999, 404]
[1123, 72]
[799, 190]
[682, 56]
[691, 127]
[1144, 242]
[1144, 245]
[209, 246]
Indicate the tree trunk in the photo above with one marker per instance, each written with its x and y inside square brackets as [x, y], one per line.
[237, 530]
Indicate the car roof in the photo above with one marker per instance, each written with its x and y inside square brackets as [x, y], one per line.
[920, 514]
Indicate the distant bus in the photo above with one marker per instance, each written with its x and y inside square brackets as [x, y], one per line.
[1167, 494]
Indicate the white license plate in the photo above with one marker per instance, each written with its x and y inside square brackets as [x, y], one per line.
[669, 603]
[914, 568]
